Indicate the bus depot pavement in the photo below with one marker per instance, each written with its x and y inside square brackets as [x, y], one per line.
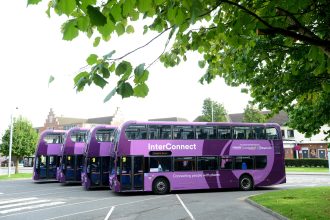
[24, 199]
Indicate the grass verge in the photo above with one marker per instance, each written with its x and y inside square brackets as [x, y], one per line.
[307, 169]
[16, 176]
[305, 203]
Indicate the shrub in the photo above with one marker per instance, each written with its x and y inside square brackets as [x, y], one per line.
[306, 163]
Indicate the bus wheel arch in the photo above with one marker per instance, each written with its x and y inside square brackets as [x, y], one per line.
[246, 182]
[161, 185]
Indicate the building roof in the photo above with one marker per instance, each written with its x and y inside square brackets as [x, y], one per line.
[281, 118]
[168, 119]
[67, 121]
[101, 120]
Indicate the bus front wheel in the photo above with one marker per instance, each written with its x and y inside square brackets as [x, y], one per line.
[160, 186]
[246, 183]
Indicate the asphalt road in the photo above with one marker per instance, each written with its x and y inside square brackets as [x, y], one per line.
[24, 199]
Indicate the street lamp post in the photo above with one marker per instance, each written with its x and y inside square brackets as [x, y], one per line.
[10, 143]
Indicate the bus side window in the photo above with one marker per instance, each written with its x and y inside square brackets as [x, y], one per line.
[226, 163]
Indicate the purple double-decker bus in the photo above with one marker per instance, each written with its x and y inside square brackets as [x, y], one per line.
[165, 156]
[95, 171]
[72, 156]
[47, 155]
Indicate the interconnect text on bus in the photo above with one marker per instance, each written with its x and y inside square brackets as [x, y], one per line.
[170, 146]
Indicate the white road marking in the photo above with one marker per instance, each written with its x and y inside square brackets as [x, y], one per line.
[31, 207]
[184, 206]
[92, 210]
[17, 200]
[109, 213]
[23, 204]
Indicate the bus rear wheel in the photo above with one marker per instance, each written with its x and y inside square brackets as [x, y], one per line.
[160, 186]
[246, 183]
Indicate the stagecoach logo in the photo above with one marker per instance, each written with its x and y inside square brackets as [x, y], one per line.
[170, 146]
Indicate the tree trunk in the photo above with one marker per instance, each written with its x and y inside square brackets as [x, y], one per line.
[16, 165]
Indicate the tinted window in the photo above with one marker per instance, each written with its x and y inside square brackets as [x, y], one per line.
[206, 132]
[271, 134]
[79, 136]
[258, 132]
[226, 163]
[261, 162]
[55, 138]
[183, 132]
[184, 163]
[244, 163]
[242, 132]
[159, 132]
[224, 133]
[136, 132]
[104, 135]
[207, 163]
[160, 164]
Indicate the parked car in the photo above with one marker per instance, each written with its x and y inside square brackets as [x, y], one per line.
[5, 163]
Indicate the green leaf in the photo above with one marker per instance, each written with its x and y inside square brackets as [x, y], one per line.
[95, 16]
[106, 30]
[125, 90]
[123, 68]
[70, 30]
[141, 90]
[83, 23]
[141, 75]
[66, 6]
[116, 12]
[120, 29]
[79, 76]
[128, 7]
[110, 95]
[51, 79]
[99, 81]
[130, 29]
[201, 64]
[105, 71]
[144, 5]
[33, 2]
[92, 59]
[109, 55]
[96, 41]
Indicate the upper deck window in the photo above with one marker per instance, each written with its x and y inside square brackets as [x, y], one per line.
[242, 132]
[206, 132]
[183, 132]
[224, 133]
[134, 132]
[79, 136]
[271, 134]
[55, 138]
[104, 135]
[159, 132]
[258, 132]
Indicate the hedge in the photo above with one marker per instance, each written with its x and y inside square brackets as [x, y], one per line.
[306, 163]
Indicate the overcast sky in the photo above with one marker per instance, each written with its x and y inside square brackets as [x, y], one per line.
[32, 49]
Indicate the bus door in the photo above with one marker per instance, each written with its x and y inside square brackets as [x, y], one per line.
[79, 166]
[95, 171]
[69, 167]
[131, 177]
[105, 171]
[51, 166]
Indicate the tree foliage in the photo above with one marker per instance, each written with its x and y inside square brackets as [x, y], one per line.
[278, 49]
[213, 108]
[252, 114]
[24, 140]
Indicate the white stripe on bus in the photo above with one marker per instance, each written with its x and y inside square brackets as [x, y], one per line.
[17, 200]
[31, 207]
[23, 203]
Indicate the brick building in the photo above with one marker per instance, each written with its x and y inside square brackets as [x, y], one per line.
[65, 123]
